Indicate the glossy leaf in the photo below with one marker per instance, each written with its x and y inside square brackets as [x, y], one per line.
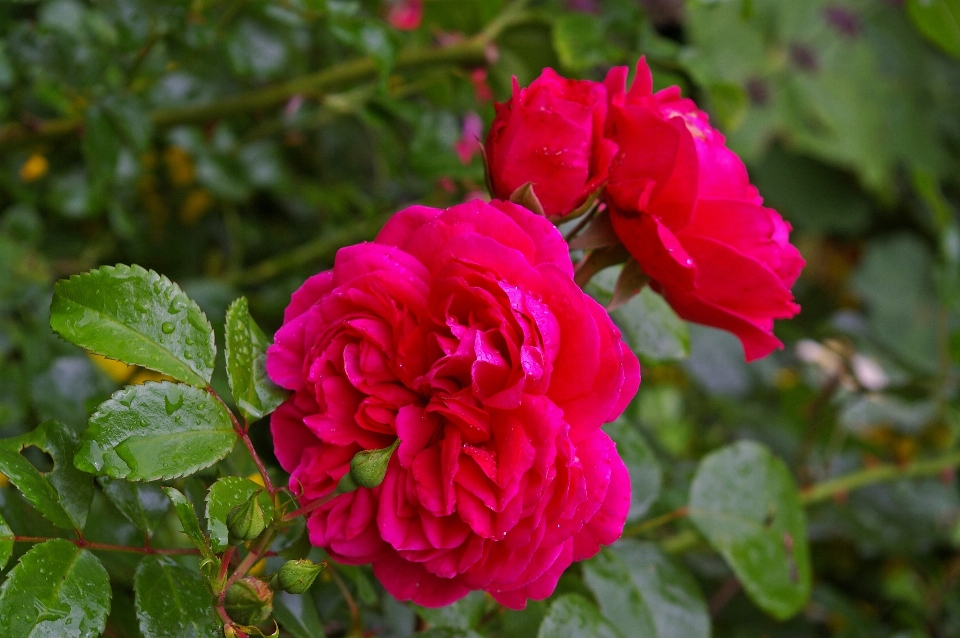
[188, 520]
[746, 504]
[642, 592]
[57, 589]
[652, 328]
[156, 431]
[646, 476]
[297, 615]
[246, 353]
[938, 21]
[224, 495]
[62, 495]
[138, 317]
[6, 543]
[143, 504]
[172, 602]
[573, 616]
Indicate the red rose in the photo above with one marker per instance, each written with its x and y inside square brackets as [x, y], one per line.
[551, 134]
[461, 333]
[682, 204]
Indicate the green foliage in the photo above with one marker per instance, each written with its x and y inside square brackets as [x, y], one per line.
[573, 616]
[171, 601]
[226, 494]
[246, 352]
[143, 504]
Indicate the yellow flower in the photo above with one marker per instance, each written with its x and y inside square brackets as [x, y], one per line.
[34, 168]
[196, 204]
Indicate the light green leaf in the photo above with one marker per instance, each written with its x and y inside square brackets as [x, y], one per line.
[156, 431]
[62, 495]
[6, 542]
[573, 616]
[652, 329]
[138, 317]
[57, 589]
[644, 593]
[580, 41]
[938, 21]
[246, 353]
[646, 477]
[188, 520]
[297, 614]
[224, 495]
[746, 504]
[143, 504]
[172, 602]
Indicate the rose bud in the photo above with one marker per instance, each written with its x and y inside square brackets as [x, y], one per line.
[683, 206]
[249, 601]
[459, 338]
[550, 134]
[246, 521]
[296, 576]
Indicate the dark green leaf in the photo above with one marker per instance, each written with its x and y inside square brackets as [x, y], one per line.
[172, 602]
[580, 41]
[246, 353]
[646, 477]
[6, 543]
[188, 520]
[224, 495]
[746, 504]
[652, 328]
[573, 616]
[938, 21]
[156, 431]
[143, 504]
[138, 317]
[297, 614]
[57, 589]
[644, 593]
[62, 495]
[463, 614]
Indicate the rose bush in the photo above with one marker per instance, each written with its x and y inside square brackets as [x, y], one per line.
[682, 204]
[462, 333]
[551, 134]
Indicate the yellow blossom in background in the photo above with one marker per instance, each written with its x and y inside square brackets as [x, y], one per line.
[179, 166]
[116, 370]
[34, 168]
[256, 478]
[196, 204]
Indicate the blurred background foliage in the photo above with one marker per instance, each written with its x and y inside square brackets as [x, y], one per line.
[234, 146]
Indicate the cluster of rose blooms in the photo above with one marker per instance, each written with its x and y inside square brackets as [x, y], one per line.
[460, 342]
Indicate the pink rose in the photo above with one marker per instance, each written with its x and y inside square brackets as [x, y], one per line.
[405, 15]
[682, 204]
[551, 134]
[462, 333]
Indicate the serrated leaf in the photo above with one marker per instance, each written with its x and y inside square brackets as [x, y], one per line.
[57, 589]
[573, 616]
[746, 504]
[188, 520]
[6, 542]
[156, 431]
[138, 317]
[644, 593]
[143, 504]
[297, 614]
[246, 353]
[646, 476]
[62, 495]
[223, 496]
[938, 21]
[172, 602]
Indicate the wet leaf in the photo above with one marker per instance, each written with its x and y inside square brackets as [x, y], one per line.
[246, 352]
[172, 602]
[224, 495]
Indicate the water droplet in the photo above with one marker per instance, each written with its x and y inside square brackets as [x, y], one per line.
[167, 327]
[176, 305]
[173, 401]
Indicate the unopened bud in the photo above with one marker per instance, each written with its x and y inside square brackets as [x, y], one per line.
[370, 466]
[249, 601]
[296, 576]
[246, 521]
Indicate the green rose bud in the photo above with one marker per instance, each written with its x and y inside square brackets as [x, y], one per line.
[370, 466]
[246, 521]
[249, 601]
[296, 576]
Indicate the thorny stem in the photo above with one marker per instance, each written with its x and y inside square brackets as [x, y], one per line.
[106, 547]
[242, 433]
[306, 509]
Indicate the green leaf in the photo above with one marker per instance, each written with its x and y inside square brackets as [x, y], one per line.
[246, 354]
[224, 495]
[573, 616]
[644, 593]
[188, 520]
[143, 504]
[646, 477]
[156, 431]
[172, 602]
[580, 41]
[138, 317]
[62, 495]
[746, 504]
[652, 329]
[463, 614]
[938, 21]
[57, 589]
[298, 615]
[6, 543]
